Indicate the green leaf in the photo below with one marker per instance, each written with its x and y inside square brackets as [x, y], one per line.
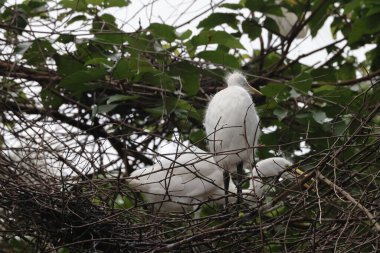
[98, 61]
[364, 26]
[266, 7]
[216, 37]
[120, 97]
[350, 6]
[339, 127]
[192, 111]
[122, 70]
[271, 60]
[50, 99]
[252, 28]
[197, 136]
[294, 94]
[109, 3]
[17, 17]
[191, 83]
[162, 31]
[346, 72]
[67, 65]
[155, 112]
[180, 107]
[184, 35]
[232, 6]
[272, 89]
[324, 88]
[140, 42]
[66, 38]
[270, 139]
[159, 79]
[64, 250]
[374, 10]
[374, 57]
[106, 30]
[122, 202]
[77, 5]
[189, 76]
[76, 18]
[132, 68]
[302, 82]
[323, 75]
[78, 81]
[319, 17]
[208, 210]
[319, 116]
[95, 2]
[113, 38]
[109, 20]
[254, 5]
[280, 113]
[216, 19]
[338, 95]
[275, 212]
[271, 25]
[117, 3]
[220, 58]
[38, 52]
[103, 109]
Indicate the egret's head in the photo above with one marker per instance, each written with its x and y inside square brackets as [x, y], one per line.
[238, 79]
[277, 166]
[271, 167]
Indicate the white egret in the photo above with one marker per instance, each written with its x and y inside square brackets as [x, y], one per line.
[182, 184]
[194, 178]
[269, 167]
[232, 127]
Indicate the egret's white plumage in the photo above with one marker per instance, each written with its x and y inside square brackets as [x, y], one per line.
[269, 167]
[194, 178]
[231, 123]
[180, 185]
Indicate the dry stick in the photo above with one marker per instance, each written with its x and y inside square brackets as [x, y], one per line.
[348, 196]
[239, 230]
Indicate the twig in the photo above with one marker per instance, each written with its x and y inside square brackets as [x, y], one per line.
[348, 196]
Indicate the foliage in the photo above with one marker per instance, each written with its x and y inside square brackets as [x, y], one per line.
[91, 102]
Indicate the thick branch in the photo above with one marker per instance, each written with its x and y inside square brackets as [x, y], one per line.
[353, 81]
[11, 69]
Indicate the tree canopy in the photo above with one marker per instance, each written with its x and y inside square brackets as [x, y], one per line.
[85, 100]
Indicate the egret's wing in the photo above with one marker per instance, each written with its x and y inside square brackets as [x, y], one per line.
[138, 178]
[203, 181]
[171, 182]
[181, 180]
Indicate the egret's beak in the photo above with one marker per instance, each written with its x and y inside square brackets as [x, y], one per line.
[300, 172]
[254, 91]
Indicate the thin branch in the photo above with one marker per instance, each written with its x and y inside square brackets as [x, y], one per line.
[95, 131]
[348, 196]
